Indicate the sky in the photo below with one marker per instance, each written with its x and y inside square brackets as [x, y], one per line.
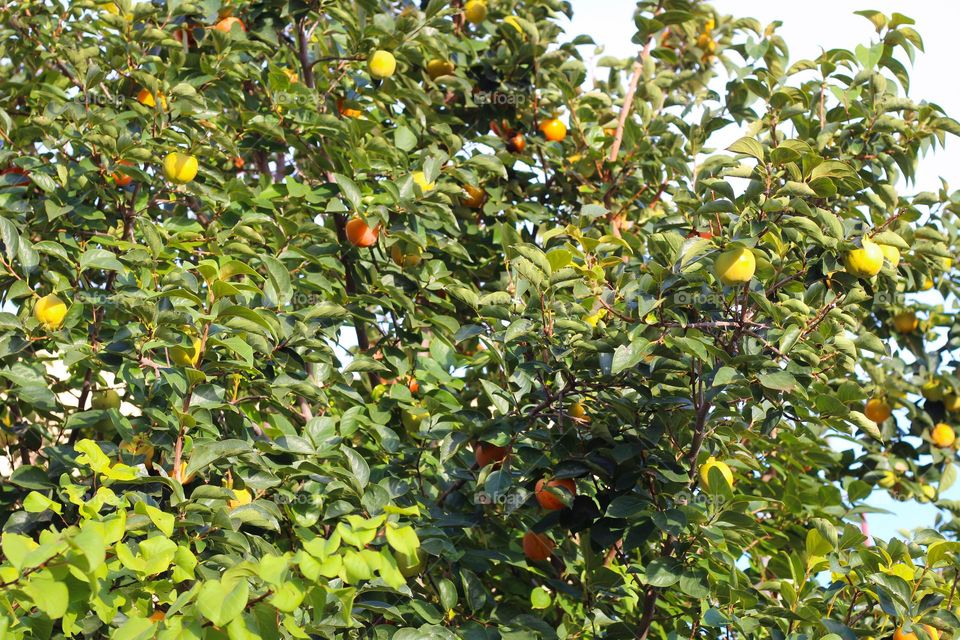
[808, 27]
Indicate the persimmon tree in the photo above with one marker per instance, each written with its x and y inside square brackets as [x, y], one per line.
[386, 320]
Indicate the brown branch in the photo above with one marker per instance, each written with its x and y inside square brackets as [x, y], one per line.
[953, 588]
[701, 409]
[767, 344]
[454, 487]
[886, 223]
[649, 606]
[628, 100]
[823, 115]
[305, 65]
[773, 289]
[820, 316]
[340, 220]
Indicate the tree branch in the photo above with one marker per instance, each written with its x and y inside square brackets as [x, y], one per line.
[628, 100]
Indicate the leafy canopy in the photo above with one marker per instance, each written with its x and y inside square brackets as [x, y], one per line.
[310, 391]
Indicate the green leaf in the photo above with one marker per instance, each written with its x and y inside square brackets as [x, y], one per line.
[92, 456]
[135, 629]
[10, 238]
[663, 572]
[940, 550]
[349, 190]
[749, 147]
[252, 317]
[157, 554]
[38, 503]
[402, 538]
[694, 583]
[778, 380]
[865, 424]
[287, 596]
[448, 594]
[210, 451]
[163, 521]
[99, 259]
[92, 544]
[15, 548]
[48, 594]
[358, 467]
[488, 163]
[220, 603]
[816, 545]
[540, 598]
[404, 139]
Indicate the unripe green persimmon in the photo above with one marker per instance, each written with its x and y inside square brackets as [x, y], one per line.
[180, 168]
[382, 64]
[866, 261]
[735, 266]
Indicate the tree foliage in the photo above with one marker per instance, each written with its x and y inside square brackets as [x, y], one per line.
[242, 423]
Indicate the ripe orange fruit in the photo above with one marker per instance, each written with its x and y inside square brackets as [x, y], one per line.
[360, 234]
[553, 130]
[474, 197]
[413, 385]
[226, 25]
[877, 410]
[516, 143]
[900, 634]
[146, 98]
[238, 162]
[537, 546]
[120, 178]
[486, 453]
[185, 34]
[158, 615]
[548, 500]
[347, 112]
[943, 435]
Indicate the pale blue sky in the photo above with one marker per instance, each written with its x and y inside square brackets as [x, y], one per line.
[808, 27]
